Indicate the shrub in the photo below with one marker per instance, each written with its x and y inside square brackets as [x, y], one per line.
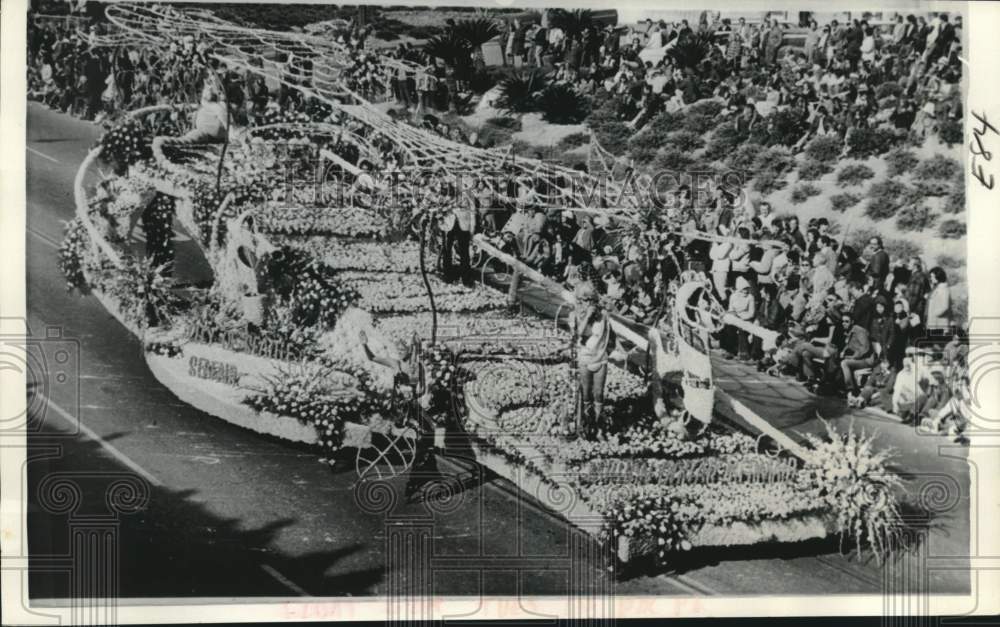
[613, 136]
[685, 141]
[868, 142]
[888, 89]
[744, 157]
[706, 107]
[951, 229]
[951, 265]
[915, 218]
[858, 238]
[901, 248]
[698, 123]
[561, 104]
[951, 132]
[823, 149]
[937, 167]
[854, 174]
[955, 202]
[769, 181]
[901, 161]
[517, 92]
[804, 192]
[885, 198]
[672, 159]
[642, 153]
[723, 141]
[574, 140]
[810, 169]
[841, 202]
[665, 123]
[787, 128]
[777, 159]
[932, 187]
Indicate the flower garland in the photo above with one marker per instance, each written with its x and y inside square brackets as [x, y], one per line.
[344, 221]
[72, 254]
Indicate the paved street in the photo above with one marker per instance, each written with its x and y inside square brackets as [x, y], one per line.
[232, 513]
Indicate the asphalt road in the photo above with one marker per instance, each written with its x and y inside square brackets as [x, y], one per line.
[231, 513]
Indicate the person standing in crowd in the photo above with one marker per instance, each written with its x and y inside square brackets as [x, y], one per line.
[458, 226]
[592, 341]
[878, 263]
[938, 316]
[772, 42]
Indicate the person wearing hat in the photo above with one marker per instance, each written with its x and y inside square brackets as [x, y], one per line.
[592, 341]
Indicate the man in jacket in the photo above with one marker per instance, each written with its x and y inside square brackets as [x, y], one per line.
[878, 262]
[772, 42]
[857, 354]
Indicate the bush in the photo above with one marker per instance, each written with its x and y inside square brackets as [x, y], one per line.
[951, 229]
[642, 154]
[744, 157]
[810, 169]
[955, 202]
[901, 161]
[698, 123]
[518, 92]
[932, 187]
[685, 141]
[561, 104]
[885, 198]
[787, 128]
[915, 218]
[769, 181]
[672, 159]
[937, 167]
[858, 238]
[823, 149]
[901, 248]
[841, 202]
[803, 192]
[723, 141]
[777, 159]
[854, 174]
[951, 265]
[665, 123]
[574, 140]
[706, 107]
[951, 132]
[613, 136]
[868, 142]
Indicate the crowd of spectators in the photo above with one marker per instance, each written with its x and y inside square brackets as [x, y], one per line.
[857, 323]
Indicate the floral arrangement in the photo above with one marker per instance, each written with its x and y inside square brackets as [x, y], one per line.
[126, 144]
[72, 255]
[312, 290]
[310, 394]
[345, 221]
[341, 254]
[851, 477]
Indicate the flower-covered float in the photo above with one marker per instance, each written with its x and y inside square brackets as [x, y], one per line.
[272, 342]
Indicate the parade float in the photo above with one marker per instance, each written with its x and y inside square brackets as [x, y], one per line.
[272, 340]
